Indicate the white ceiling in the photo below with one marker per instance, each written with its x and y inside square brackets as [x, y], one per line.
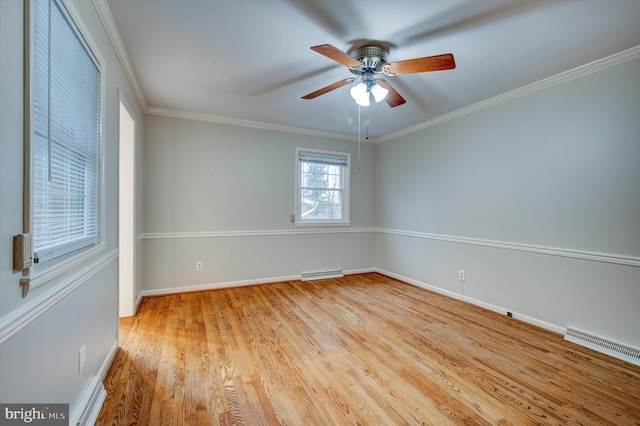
[250, 59]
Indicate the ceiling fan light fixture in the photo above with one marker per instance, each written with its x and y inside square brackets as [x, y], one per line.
[379, 92]
[360, 94]
[364, 100]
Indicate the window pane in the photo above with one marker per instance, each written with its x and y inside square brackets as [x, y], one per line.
[321, 186]
[66, 138]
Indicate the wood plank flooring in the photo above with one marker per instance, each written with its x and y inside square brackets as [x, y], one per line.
[359, 350]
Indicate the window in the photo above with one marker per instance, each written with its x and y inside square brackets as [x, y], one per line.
[322, 187]
[65, 135]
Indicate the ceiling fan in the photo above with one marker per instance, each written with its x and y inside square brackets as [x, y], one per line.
[369, 61]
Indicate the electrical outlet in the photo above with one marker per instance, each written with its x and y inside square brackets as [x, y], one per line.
[81, 359]
[198, 266]
[461, 275]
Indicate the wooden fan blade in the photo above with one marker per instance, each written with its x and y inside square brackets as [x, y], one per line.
[337, 55]
[393, 98]
[329, 88]
[428, 63]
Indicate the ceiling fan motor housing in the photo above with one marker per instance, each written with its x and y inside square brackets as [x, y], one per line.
[372, 59]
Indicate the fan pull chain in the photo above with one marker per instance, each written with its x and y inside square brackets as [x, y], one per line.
[367, 137]
[359, 136]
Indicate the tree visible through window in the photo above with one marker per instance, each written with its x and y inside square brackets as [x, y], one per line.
[322, 187]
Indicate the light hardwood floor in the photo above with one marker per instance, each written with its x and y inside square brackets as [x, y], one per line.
[359, 350]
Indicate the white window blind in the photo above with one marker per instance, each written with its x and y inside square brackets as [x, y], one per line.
[65, 135]
[322, 187]
[322, 158]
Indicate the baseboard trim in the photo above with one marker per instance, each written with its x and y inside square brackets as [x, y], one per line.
[454, 295]
[88, 408]
[517, 315]
[321, 275]
[106, 363]
[239, 283]
[138, 301]
[217, 286]
[420, 284]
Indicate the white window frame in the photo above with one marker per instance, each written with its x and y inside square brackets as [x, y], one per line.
[345, 220]
[42, 273]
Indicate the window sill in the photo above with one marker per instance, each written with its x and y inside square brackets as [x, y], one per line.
[40, 278]
[321, 224]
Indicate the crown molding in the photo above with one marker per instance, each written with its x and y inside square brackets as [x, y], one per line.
[104, 12]
[114, 36]
[581, 71]
[248, 123]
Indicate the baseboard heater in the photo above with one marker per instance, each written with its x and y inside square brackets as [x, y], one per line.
[320, 275]
[605, 346]
[91, 404]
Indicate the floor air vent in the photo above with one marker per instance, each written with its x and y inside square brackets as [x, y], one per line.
[92, 405]
[308, 276]
[606, 346]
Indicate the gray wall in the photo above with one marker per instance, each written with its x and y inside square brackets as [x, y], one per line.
[223, 195]
[40, 335]
[537, 199]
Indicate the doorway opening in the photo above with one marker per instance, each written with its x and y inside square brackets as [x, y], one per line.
[126, 212]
